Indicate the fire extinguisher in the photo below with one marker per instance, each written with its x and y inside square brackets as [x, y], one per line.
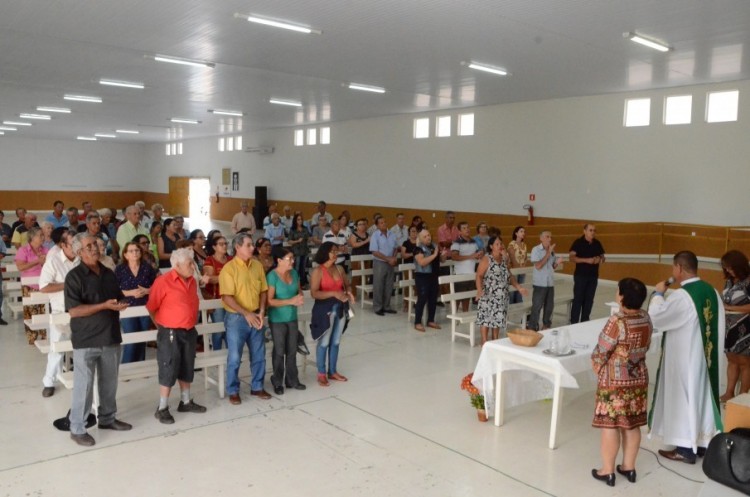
[530, 217]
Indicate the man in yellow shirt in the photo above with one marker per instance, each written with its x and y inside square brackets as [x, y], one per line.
[244, 290]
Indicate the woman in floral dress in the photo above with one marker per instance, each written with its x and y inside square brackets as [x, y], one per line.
[619, 361]
[493, 290]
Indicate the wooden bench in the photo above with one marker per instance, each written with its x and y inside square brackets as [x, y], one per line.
[365, 286]
[452, 298]
[207, 360]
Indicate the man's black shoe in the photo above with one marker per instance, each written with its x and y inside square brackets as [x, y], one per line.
[164, 416]
[190, 407]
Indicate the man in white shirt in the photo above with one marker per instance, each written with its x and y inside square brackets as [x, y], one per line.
[400, 229]
[287, 219]
[243, 219]
[267, 220]
[60, 260]
[337, 236]
[321, 212]
[465, 252]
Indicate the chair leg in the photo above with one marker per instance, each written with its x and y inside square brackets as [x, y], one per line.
[471, 333]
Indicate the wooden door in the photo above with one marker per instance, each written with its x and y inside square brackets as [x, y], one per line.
[179, 196]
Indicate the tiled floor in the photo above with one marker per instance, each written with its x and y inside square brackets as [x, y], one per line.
[401, 426]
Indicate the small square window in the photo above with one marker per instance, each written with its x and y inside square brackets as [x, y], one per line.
[678, 109]
[312, 136]
[230, 144]
[443, 126]
[466, 125]
[299, 137]
[422, 127]
[238, 142]
[722, 106]
[325, 136]
[221, 144]
[637, 112]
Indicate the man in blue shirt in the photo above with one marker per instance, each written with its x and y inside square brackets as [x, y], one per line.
[383, 248]
[545, 262]
[57, 218]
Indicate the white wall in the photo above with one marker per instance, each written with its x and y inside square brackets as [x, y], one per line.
[60, 165]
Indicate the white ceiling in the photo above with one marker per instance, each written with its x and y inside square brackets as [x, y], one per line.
[414, 48]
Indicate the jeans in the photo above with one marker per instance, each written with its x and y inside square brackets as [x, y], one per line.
[239, 333]
[382, 285]
[285, 354]
[428, 290]
[134, 352]
[300, 265]
[516, 297]
[328, 344]
[216, 338]
[105, 363]
[584, 289]
[542, 296]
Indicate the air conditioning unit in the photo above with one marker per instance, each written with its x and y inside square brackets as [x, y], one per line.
[259, 150]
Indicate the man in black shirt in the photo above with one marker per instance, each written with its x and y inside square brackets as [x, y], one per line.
[587, 253]
[91, 298]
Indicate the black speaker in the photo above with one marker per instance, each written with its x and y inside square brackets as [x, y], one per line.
[260, 211]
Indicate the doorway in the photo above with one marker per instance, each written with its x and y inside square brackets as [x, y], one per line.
[199, 199]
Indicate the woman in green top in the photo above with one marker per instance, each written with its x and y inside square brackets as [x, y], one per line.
[284, 296]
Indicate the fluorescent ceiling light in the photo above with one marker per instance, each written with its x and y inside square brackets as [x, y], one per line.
[373, 89]
[61, 110]
[278, 24]
[2, 132]
[42, 117]
[127, 131]
[293, 103]
[16, 123]
[124, 84]
[182, 120]
[490, 69]
[220, 112]
[104, 135]
[83, 98]
[650, 43]
[86, 138]
[185, 62]
[8, 128]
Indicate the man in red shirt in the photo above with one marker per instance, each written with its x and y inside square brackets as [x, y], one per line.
[173, 305]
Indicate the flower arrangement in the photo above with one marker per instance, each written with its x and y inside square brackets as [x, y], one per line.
[476, 398]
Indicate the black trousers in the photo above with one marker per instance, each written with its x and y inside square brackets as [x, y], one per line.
[428, 291]
[584, 288]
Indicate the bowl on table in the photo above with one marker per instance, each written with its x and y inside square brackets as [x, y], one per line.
[525, 338]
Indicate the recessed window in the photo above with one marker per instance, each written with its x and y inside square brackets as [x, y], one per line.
[722, 106]
[169, 149]
[637, 112]
[299, 137]
[230, 144]
[238, 142]
[221, 144]
[678, 109]
[312, 136]
[443, 126]
[422, 127]
[179, 148]
[466, 125]
[325, 136]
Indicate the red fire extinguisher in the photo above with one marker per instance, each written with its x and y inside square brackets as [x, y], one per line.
[530, 217]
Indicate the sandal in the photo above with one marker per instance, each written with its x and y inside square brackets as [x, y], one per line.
[419, 327]
[337, 377]
[322, 380]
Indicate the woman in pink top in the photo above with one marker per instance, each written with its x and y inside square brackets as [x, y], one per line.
[30, 259]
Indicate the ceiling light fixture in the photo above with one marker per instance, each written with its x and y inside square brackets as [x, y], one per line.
[105, 135]
[278, 24]
[86, 138]
[486, 68]
[293, 103]
[183, 120]
[61, 110]
[2, 132]
[220, 112]
[370, 88]
[83, 98]
[41, 117]
[16, 123]
[647, 42]
[8, 128]
[123, 84]
[127, 131]
[185, 62]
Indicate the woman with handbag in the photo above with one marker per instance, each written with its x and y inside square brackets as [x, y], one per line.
[619, 361]
[736, 298]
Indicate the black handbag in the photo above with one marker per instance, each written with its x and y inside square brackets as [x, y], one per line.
[727, 459]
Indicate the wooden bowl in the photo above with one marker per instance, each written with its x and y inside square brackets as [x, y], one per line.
[525, 338]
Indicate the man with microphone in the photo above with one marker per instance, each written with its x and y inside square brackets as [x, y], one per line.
[685, 409]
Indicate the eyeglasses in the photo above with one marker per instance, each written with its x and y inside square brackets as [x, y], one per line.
[288, 259]
[134, 251]
[223, 244]
[91, 246]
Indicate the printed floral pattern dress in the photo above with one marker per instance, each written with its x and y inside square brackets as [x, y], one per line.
[493, 306]
[619, 361]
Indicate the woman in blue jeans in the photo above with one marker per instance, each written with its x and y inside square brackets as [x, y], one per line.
[135, 278]
[329, 288]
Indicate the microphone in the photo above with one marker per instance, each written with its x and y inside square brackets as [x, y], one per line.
[669, 281]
